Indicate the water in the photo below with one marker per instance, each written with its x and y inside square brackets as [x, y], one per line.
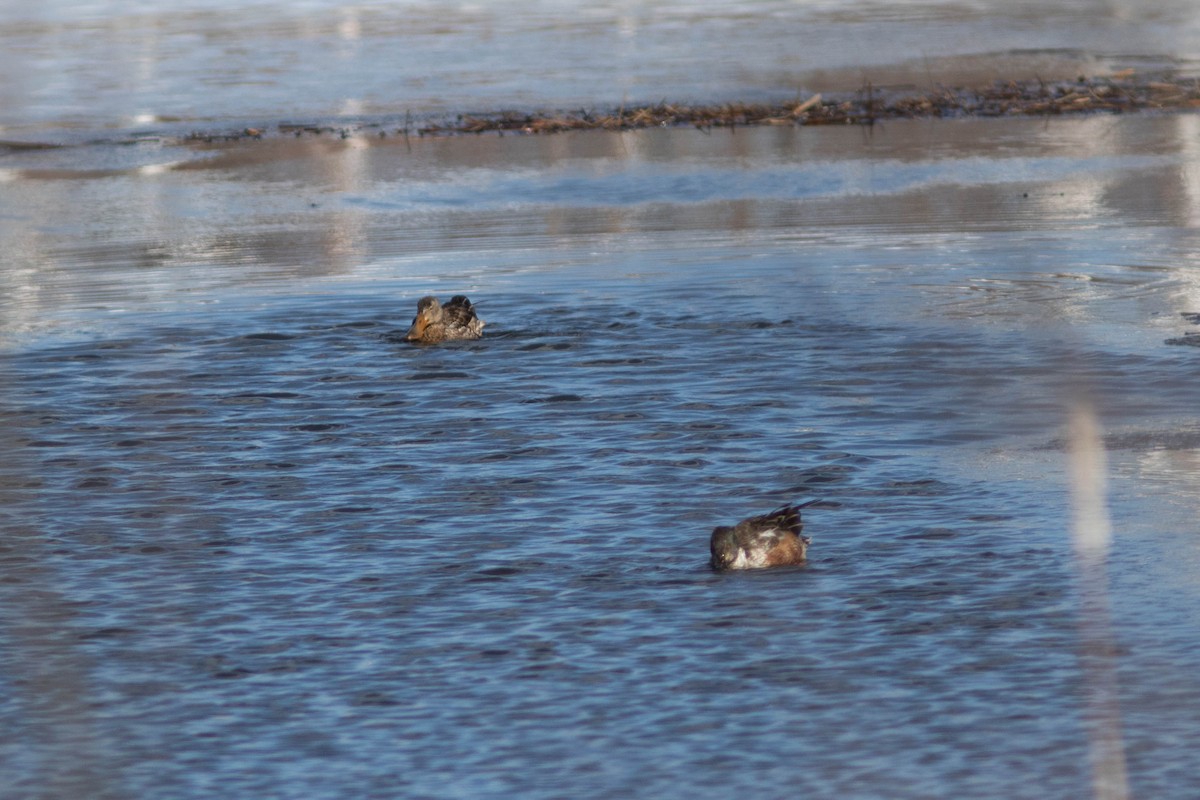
[256, 545]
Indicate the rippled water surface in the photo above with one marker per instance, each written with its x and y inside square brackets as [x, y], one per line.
[256, 545]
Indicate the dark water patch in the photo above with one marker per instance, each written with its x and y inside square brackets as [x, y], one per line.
[518, 453]
[624, 416]
[930, 534]
[231, 673]
[618, 362]
[725, 327]
[226, 482]
[275, 395]
[495, 573]
[179, 412]
[706, 426]
[269, 336]
[95, 483]
[446, 375]
[74, 357]
[1001, 518]
[554, 398]
[923, 487]
[838, 455]
[377, 699]
[556, 346]
[108, 633]
[819, 477]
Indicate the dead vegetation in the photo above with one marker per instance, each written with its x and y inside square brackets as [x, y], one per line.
[1117, 94]
[1120, 93]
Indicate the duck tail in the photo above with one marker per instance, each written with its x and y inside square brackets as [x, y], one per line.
[790, 515]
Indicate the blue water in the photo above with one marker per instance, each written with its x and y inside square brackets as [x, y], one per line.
[268, 548]
[302, 558]
[253, 544]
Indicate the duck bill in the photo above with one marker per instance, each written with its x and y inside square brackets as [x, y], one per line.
[417, 330]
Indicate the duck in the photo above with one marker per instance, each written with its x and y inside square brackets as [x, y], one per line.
[435, 322]
[769, 540]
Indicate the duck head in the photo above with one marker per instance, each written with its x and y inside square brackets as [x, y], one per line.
[724, 547]
[429, 312]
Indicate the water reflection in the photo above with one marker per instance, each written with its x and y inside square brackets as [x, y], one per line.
[270, 212]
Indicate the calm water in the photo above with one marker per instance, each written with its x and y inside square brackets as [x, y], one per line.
[254, 545]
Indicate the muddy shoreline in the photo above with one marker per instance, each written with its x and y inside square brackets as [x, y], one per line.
[1122, 93]
[1125, 92]
[870, 104]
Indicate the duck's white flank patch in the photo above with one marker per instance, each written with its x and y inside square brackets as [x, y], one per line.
[745, 560]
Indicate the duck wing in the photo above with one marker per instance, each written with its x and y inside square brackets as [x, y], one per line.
[459, 311]
[768, 529]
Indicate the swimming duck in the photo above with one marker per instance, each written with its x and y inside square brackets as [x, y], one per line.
[770, 540]
[440, 323]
